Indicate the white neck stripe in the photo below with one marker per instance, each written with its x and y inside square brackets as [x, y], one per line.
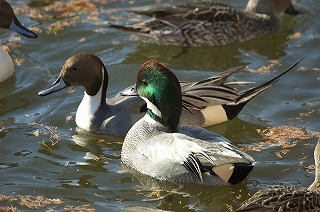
[88, 106]
[152, 107]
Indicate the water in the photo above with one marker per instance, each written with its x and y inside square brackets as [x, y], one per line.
[42, 153]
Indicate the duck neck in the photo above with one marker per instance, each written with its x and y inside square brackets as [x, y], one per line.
[97, 91]
[155, 114]
[261, 6]
[315, 186]
[104, 85]
[91, 103]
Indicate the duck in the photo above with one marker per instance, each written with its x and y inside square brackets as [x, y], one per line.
[288, 197]
[159, 147]
[207, 23]
[205, 103]
[10, 21]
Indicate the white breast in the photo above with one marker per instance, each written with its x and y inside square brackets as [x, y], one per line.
[7, 67]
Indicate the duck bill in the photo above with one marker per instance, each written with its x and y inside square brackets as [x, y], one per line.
[55, 86]
[129, 91]
[17, 27]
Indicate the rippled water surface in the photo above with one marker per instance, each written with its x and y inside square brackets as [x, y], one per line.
[43, 153]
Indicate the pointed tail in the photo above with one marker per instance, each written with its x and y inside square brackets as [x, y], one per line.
[246, 95]
[233, 108]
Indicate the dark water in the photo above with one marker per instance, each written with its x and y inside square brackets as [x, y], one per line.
[42, 153]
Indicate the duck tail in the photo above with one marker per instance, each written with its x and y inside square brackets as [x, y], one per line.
[246, 95]
[240, 172]
[233, 109]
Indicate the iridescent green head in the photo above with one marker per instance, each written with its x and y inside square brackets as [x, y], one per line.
[160, 88]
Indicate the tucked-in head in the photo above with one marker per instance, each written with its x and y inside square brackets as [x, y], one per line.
[159, 86]
[9, 20]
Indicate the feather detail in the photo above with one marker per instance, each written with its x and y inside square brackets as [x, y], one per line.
[192, 165]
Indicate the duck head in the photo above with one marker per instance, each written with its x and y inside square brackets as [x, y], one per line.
[10, 21]
[160, 88]
[82, 69]
[271, 7]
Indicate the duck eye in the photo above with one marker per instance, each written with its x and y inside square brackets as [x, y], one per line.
[74, 68]
[144, 83]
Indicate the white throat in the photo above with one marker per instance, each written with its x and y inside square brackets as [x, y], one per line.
[87, 108]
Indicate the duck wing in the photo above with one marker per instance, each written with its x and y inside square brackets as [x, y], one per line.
[215, 80]
[196, 155]
[174, 150]
[201, 11]
[204, 96]
[210, 91]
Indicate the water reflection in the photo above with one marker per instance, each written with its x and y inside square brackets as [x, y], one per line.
[7, 87]
[171, 196]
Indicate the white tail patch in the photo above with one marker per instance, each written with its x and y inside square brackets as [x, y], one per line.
[213, 115]
[224, 171]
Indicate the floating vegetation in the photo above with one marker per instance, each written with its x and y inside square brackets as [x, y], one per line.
[281, 136]
[86, 207]
[32, 202]
[101, 159]
[38, 202]
[307, 114]
[294, 35]
[68, 9]
[58, 10]
[155, 193]
[266, 69]
[61, 15]
[303, 68]
[17, 60]
[53, 139]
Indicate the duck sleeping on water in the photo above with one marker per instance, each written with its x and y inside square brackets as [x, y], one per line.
[207, 23]
[205, 103]
[10, 21]
[157, 146]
